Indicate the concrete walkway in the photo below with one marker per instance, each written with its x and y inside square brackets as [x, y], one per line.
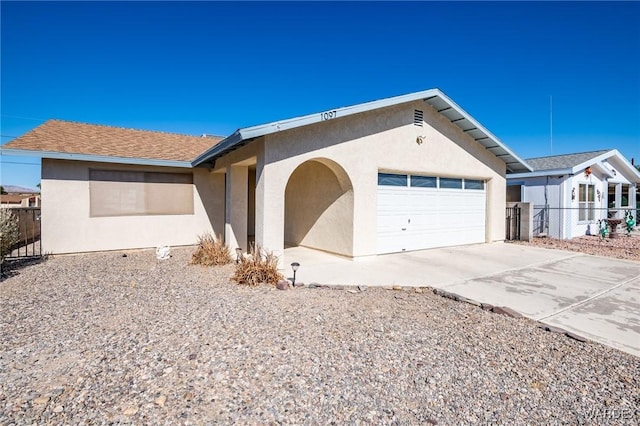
[596, 297]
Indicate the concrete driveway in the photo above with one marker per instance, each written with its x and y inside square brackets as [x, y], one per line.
[596, 297]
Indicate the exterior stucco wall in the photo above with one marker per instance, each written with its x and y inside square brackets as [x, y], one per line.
[362, 145]
[68, 228]
[318, 210]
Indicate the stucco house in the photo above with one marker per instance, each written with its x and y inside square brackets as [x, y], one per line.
[571, 193]
[403, 173]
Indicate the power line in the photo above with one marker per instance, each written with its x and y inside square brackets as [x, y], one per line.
[19, 162]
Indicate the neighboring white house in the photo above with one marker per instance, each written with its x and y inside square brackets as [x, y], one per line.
[404, 173]
[571, 193]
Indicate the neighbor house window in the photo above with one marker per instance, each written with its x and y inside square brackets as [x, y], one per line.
[450, 183]
[586, 202]
[135, 193]
[624, 199]
[612, 196]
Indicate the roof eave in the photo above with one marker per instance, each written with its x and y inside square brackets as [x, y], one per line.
[519, 161]
[225, 144]
[94, 158]
[580, 167]
[248, 133]
[540, 173]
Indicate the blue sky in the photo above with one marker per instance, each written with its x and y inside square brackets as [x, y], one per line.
[212, 67]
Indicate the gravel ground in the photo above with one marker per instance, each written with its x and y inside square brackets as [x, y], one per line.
[101, 338]
[623, 247]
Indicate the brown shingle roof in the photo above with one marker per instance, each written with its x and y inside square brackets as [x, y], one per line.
[91, 139]
[12, 198]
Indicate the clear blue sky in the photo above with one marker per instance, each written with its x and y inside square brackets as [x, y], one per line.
[207, 67]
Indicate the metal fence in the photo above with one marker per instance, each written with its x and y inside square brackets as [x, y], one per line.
[585, 220]
[29, 230]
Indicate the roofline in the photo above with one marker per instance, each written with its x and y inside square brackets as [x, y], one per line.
[597, 160]
[614, 153]
[94, 158]
[482, 128]
[248, 133]
[540, 173]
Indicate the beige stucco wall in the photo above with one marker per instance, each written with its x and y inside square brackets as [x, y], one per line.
[362, 145]
[318, 210]
[67, 226]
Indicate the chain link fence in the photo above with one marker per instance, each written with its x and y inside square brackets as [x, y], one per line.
[571, 222]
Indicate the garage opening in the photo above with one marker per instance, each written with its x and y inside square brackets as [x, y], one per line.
[420, 212]
[319, 207]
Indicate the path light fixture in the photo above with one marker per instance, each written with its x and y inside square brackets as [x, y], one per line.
[238, 254]
[294, 266]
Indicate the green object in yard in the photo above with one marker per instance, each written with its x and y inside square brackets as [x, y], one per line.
[629, 221]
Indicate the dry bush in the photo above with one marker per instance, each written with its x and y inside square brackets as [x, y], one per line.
[260, 266]
[211, 251]
[9, 235]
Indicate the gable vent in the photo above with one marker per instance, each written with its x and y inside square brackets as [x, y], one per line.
[417, 117]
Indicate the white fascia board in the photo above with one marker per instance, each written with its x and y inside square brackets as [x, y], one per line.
[95, 158]
[482, 128]
[580, 167]
[634, 174]
[554, 172]
[253, 132]
[226, 143]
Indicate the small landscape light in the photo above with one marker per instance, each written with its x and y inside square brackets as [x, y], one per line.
[294, 266]
[238, 254]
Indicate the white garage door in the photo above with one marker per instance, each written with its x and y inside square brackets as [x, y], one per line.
[420, 212]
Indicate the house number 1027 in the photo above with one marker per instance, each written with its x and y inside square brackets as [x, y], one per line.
[328, 115]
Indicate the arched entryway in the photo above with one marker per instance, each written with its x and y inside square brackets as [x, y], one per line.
[319, 207]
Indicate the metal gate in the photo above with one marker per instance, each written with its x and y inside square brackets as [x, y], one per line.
[29, 231]
[512, 228]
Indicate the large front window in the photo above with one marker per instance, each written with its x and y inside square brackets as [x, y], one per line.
[137, 193]
[586, 202]
[626, 194]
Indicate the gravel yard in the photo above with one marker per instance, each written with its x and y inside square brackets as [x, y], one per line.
[623, 247]
[102, 338]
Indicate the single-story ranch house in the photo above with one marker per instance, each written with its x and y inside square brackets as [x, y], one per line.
[570, 193]
[403, 173]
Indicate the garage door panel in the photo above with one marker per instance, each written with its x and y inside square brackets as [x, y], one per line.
[415, 218]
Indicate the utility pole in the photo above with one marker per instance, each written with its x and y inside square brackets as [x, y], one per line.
[551, 122]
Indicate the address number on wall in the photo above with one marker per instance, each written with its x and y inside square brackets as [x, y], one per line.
[328, 115]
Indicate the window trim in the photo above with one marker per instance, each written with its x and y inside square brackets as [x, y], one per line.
[586, 208]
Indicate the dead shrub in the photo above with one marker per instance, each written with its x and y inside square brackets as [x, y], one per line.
[260, 266]
[8, 232]
[211, 252]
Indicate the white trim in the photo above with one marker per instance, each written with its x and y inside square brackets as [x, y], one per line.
[541, 173]
[248, 133]
[95, 158]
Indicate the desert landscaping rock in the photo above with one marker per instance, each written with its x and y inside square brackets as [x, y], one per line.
[79, 343]
[623, 247]
[282, 285]
[575, 336]
[505, 310]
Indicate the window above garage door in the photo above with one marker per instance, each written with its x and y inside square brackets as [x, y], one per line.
[421, 181]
